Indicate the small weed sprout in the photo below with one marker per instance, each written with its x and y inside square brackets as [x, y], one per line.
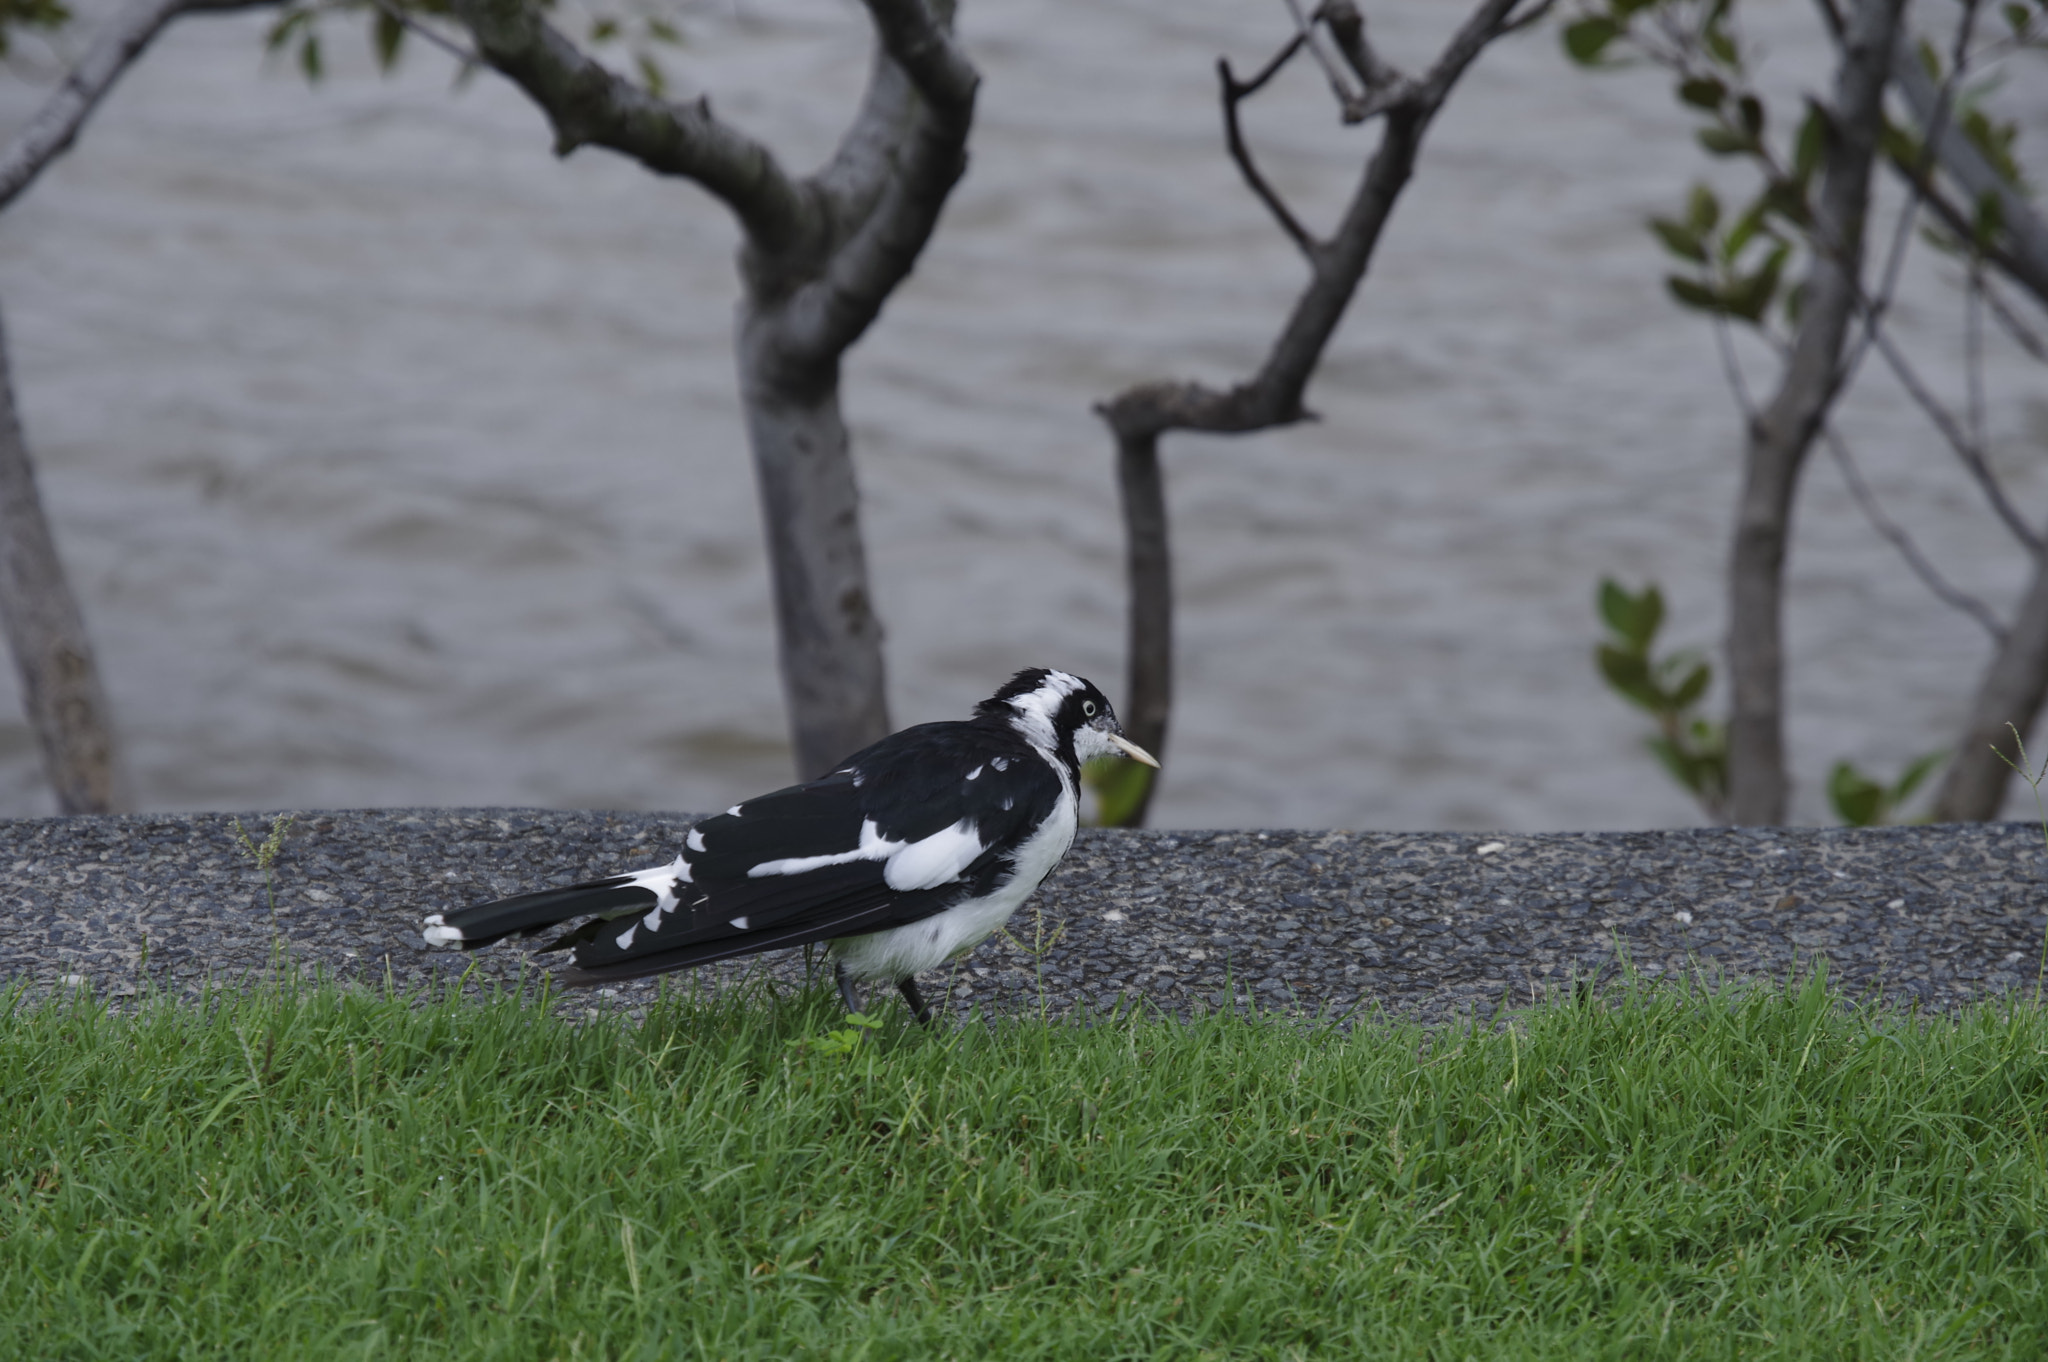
[841, 1043]
[265, 856]
[2033, 778]
[1040, 947]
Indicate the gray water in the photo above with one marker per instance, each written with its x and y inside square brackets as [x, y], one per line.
[398, 463]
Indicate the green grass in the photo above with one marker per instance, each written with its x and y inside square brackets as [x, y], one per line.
[312, 1175]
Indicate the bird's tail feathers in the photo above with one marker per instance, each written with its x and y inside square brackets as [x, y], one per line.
[530, 914]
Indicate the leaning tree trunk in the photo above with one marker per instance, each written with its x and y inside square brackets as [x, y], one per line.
[1783, 432]
[827, 633]
[60, 686]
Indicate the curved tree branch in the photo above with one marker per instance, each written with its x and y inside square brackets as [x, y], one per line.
[588, 105]
[113, 50]
[890, 179]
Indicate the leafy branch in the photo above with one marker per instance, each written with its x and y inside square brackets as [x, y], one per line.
[1693, 749]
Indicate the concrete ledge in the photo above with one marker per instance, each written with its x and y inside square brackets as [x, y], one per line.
[1427, 925]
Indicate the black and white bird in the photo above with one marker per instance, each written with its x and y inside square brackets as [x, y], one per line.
[911, 852]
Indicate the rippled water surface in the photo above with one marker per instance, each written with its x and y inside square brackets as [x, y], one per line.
[399, 463]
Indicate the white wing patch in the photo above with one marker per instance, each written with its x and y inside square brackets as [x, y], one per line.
[935, 860]
[923, 864]
[873, 847]
[665, 882]
[974, 773]
[695, 841]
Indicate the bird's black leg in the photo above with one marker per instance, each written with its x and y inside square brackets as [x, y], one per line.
[847, 993]
[908, 985]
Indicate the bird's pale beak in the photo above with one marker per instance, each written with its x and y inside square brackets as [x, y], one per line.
[1132, 750]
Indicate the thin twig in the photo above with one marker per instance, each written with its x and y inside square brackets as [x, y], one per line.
[1972, 457]
[1305, 30]
[2022, 335]
[1917, 182]
[1973, 352]
[1731, 368]
[1533, 17]
[470, 60]
[1270, 69]
[1895, 534]
[1233, 137]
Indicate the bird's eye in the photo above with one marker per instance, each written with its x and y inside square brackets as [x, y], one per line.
[1088, 707]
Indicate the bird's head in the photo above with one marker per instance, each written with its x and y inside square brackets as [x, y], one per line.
[1063, 714]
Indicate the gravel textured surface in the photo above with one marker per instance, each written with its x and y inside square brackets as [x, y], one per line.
[1426, 925]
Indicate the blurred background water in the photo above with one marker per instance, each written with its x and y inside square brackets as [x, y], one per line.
[398, 463]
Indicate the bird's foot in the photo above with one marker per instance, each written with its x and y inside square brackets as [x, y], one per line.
[848, 993]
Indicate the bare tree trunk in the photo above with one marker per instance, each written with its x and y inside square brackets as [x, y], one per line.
[821, 255]
[1784, 431]
[2010, 693]
[60, 686]
[829, 638]
[1150, 558]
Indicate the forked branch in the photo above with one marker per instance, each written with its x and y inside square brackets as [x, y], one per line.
[1271, 397]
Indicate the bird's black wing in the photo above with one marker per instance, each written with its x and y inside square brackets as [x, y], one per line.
[903, 830]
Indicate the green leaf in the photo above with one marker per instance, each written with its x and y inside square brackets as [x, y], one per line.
[651, 74]
[2017, 18]
[1694, 686]
[662, 31]
[1930, 60]
[281, 32]
[1703, 92]
[1811, 142]
[604, 30]
[1694, 294]
[1858, 800]
[1787, 200]
[1726, 141]
[1720, 46]
[1629, 674]
[1739, 235]
[1751, 111]
[1750, 295]
[1989, 219]
[1995, 141]
[1702, 209]
[309, 57]
[1679, 239]
[1634, 617]
[1795, 302]
[386, 36]
[1901, 146]
[1586, 39]
[1685, 768]
[1916, 771]
[1120, 787]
